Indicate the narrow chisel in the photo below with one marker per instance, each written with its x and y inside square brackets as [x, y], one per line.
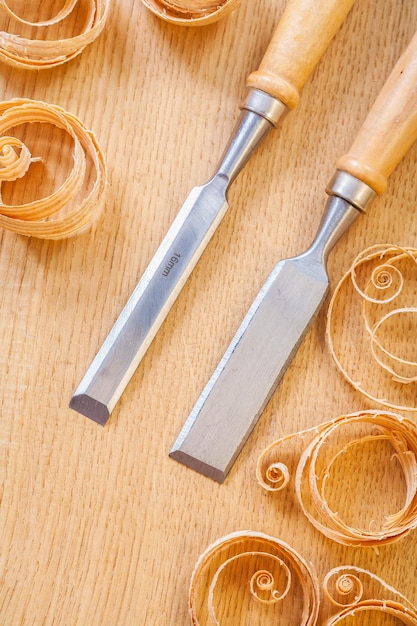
[303, 33]
[275, 325]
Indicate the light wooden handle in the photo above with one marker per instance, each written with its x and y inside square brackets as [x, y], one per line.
[389, 129]
[302, 35]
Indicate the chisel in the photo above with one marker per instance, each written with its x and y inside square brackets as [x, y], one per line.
[276, 323]
[302, 35]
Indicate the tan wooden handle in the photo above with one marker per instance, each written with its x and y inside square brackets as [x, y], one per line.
[390, 127]
[301, 37]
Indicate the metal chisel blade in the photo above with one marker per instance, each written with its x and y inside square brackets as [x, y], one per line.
[252, 366]
[168, 271]
[147, 307]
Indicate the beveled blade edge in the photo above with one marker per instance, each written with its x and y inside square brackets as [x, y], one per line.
[89, 407]
[199, 466]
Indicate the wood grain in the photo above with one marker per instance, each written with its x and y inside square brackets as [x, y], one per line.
[97, 525]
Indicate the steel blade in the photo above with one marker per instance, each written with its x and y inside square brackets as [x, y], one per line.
[252, 366]
[147, 307]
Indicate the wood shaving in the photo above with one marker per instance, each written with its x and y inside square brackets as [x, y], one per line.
[191, 12]
[249, 577]
[316, 459]
[353, 591]
[372, 325]
[80, 197]
[52, 45]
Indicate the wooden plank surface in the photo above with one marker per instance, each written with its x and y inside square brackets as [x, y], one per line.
[97, 525]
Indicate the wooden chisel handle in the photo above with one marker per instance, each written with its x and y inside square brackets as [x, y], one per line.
[389, 129]
[301, 37]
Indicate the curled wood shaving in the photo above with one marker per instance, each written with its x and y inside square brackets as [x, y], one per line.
[191, 12]
[70, 207]
[50, 47]
[328, 446]
[372, 325]
[353, 591]
[251, 577]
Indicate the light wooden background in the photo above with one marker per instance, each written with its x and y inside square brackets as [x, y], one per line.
[97, 525]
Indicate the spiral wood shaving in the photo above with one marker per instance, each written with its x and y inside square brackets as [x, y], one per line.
[71, 207]
[252, 574]
[353, 592]
[48, 49]
[328, 446]
[372, 325]
[248, 577]
[191, 12]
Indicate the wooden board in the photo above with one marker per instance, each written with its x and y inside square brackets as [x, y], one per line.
[97, 525]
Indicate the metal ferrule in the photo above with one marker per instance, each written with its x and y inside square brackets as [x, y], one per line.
[351, 189]
[260, 114]
[263, 104]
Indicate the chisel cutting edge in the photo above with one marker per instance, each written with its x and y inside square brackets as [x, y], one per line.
[302, 35]
[275, 325]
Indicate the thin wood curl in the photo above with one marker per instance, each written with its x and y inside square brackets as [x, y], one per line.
[191, 12]
[260, 571]
[54, 216]
[42, 52]
[311, 473]
[371, 325]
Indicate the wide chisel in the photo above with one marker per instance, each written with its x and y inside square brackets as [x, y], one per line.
[303, 33]
[276, 323]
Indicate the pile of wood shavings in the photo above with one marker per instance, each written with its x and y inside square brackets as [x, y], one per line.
[389, 443]
[252, 578]
[80, 197]
[191, 12]
[372, 325]
[52, 45]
